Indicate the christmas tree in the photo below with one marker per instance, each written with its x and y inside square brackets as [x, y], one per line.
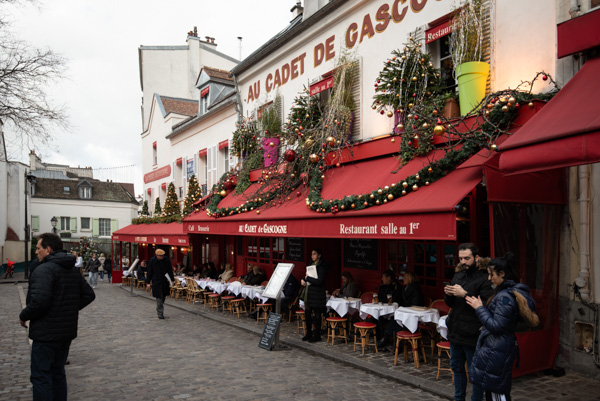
[86, 248]
[171, 206]
[145, 211]
[157, 208]
[193, 195]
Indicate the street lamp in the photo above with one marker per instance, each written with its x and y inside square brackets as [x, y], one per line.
[54, 220]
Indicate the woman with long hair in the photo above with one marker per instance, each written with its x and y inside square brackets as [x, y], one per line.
[349, 288]
[411, 292]
[497, 347]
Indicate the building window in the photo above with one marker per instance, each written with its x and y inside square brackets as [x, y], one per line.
[154, 155]
[397, 256]
[85, 192]
[66, 190]
[85, 223]
[65, 223]
[595, 3]
[266, 250]
[104, 228]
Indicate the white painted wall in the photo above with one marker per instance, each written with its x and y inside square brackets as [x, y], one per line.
[47, 208]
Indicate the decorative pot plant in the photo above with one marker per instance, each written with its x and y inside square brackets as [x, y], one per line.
[466, 47]
[270, 123]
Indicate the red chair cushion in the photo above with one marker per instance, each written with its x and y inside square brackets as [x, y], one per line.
[229, 297]
[335, 319]
[263, 304]
[365, 325]
[300, 312]
[408, 334]
[444, 344]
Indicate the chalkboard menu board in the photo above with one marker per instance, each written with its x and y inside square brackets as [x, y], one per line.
[295, 249]
[361, 254]
[270, 331]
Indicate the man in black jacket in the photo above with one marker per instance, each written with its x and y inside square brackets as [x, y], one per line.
[56, 294]
[470, 279]
[159, 266]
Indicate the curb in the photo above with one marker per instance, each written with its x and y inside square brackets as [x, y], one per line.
[402, 378]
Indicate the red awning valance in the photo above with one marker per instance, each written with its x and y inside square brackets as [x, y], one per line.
[202, 152]
[424, 214]
[439, 31]
[165, 234]
[149, 191]
[179, 161]
[322, 85]
[566, 132]
[163, 185]
[204, 91]
[154, 144]
[578, 34]
[224, 144]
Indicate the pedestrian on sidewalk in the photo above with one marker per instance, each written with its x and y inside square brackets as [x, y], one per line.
[497, 347]
[108, 268]
[101, 259]
[92, 267]
[470, 279]
[57, 292]
[159, 268]
[314, 296]
[78, 262]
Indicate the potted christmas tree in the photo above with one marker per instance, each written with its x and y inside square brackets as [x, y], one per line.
[466, 46]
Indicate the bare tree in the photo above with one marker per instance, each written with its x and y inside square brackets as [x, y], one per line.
[25, 74]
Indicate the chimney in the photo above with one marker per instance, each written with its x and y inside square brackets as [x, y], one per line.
[297, 9]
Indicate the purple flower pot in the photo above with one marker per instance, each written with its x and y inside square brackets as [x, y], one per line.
[270, 147]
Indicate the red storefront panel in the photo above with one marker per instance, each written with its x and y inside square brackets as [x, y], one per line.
[162, 234]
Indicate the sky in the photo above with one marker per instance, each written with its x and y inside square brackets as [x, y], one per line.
[100, 40]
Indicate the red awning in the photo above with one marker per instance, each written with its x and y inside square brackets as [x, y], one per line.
[163, 185]
[428, 213]
[149, 190]
[439, 31]
[224, 144]
[154, 144]
[578, 34]
[202, 152]
[566, 132]
[320, 86]
[162, 234]
[179, 161]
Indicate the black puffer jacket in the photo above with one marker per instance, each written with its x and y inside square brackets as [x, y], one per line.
[492, 364]
[156, 275]
[316, 297]
[463, 324]
[57, 292]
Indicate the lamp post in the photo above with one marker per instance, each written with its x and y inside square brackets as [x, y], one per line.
[54, 220]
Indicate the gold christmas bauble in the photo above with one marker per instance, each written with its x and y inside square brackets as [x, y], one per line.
[313, 157]
[505, 109]
[390, 114]
[530, 104]
[379, 191]
[439, 130]
[330, 141]
[393, 140]
[405, 184]
[512, 100]
[400, 126]
[377, 202]
[223, 193]
[258, 212]
[372, 196]
[390, 197]
[415, 187]
[425, 125]
[403, 192]
[309, 142]
[374, 107]
[493, 146]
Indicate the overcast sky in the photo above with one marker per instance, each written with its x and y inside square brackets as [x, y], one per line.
[100, 38]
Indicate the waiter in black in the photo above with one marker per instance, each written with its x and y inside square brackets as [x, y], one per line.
[158, 269]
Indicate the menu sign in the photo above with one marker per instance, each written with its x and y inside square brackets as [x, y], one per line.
[270, 331]
[361, 253]
[294, 249]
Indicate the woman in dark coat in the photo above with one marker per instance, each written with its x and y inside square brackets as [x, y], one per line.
[158, 266]
[411, 292]
[496, 350]
[314, 296]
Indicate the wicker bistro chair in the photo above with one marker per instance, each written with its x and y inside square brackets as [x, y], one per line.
[193, 290]
[366, 331]
[445, 347]
[337, 328]
[429, 330]
[177, 289]
[407, 337]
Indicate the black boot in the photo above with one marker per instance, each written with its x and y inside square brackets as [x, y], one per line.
[315, 338]
[307, 337]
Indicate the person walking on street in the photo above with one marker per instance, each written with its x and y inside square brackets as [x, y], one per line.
[78, 262]
[156, 276]
[92, 267]
[108, 268]
[497, 347]
[57, 292]
[470, 279]
[102, 259]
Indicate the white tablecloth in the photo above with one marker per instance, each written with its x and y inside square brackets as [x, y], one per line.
[218, 286]
[235, 288]
[343, 306]
[203, 282]
[410, 317]
[442, 328]
[376, 310]
[253, 292]
[182, 281]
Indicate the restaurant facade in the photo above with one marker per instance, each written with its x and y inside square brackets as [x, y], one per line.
[533, 212]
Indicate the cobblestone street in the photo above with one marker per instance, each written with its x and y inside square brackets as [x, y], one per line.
[124, 352]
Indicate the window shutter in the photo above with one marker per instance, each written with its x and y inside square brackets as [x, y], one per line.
[96, 227]
[211, 162]
[357, 95]
[35, 223]
[114, 225]
[73, 224]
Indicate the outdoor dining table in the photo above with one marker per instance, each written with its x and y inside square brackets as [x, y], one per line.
[442, 328]
[217, 286]
[203, 282]
[376, 310]
[410, 316]
[182, 281]
[235, 288]
[343, 306]
[253, 292]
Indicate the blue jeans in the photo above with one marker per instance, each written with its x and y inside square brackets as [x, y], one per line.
[48, 370]
[93, 279]
[458, 355]
[102, 275]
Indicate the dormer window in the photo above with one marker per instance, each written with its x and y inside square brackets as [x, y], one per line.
[85, 189]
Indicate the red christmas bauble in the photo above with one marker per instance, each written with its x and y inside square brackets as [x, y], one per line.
[290, 155]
